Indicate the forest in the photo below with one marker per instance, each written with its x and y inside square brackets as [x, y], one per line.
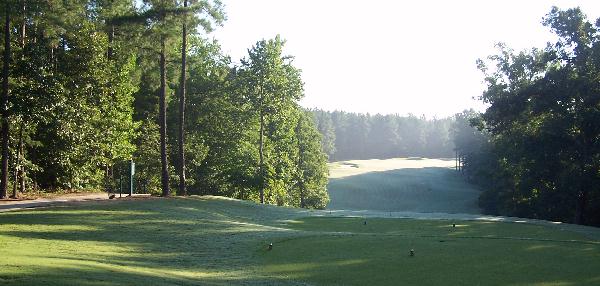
[347, 135]
[90, 84]
[535, 151]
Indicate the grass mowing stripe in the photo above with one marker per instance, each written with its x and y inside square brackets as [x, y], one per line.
[340, 233]
[353, 253]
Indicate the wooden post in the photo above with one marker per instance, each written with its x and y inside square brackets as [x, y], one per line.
[456, 160]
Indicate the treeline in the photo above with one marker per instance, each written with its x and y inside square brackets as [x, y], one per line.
[536, 150]
[91, 83]
[348, 136]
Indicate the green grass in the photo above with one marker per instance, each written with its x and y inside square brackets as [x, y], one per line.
[151, 242]
[215, 241]
[344, 251]
[424, 185]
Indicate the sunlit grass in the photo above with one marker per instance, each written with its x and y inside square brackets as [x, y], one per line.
[345, 251]
[400, 184]
[152, 242]
[215, 241]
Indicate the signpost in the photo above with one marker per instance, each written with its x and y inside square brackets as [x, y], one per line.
[125, 170]
[131, 174]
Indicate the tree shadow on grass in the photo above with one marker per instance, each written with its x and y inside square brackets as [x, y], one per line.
[216, 242]
[343, 251]
[154, 242]
[430, 189]
[86, 275]
[385, 260]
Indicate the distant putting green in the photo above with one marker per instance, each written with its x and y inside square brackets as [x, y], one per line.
[401, 184]
[218, 241]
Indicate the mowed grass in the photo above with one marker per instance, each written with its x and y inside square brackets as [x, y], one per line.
[401, 184]
[217, 241]
[345, 251]
[209, 241]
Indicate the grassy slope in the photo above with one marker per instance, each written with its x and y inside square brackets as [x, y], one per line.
[413, 184]
[222, 242]
[151, 242]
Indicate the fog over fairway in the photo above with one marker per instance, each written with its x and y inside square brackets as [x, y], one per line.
[401, 184]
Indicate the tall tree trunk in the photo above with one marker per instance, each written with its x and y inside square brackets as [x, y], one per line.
[182, 184]
[107, 181]
[15, 175]
[23, 24]
[584, 180]
[4, 106]
[21, 172]
[18, 165]
[20, 155]
[111, 39]
[261, 158]
[300, 164]
[109, 56]
[580, 207]
[21, 179]
[162, 118]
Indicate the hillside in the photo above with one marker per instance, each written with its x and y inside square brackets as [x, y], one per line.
[401, 184]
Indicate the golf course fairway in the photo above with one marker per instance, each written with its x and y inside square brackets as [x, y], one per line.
[219, 241]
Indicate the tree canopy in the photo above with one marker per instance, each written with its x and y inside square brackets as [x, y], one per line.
[93, 83]
[540, 135]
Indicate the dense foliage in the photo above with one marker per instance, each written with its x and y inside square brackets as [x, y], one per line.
[89, 84]
[93, 83]
[537, 153]
[363, 136]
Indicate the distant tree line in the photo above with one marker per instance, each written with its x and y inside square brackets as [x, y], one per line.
[91, 83]
[348, 136]
[536, 150]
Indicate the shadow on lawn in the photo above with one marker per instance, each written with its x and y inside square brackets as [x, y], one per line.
[473, 253]
[197, 241]
[385, 260]
[83, 275]
[154, 242]
[430, 189]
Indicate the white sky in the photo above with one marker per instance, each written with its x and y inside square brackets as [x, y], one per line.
[391, 56]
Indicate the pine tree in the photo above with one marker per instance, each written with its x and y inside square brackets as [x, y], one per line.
[4, 102]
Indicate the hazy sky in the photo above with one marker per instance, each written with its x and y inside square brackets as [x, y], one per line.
[390, 56]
